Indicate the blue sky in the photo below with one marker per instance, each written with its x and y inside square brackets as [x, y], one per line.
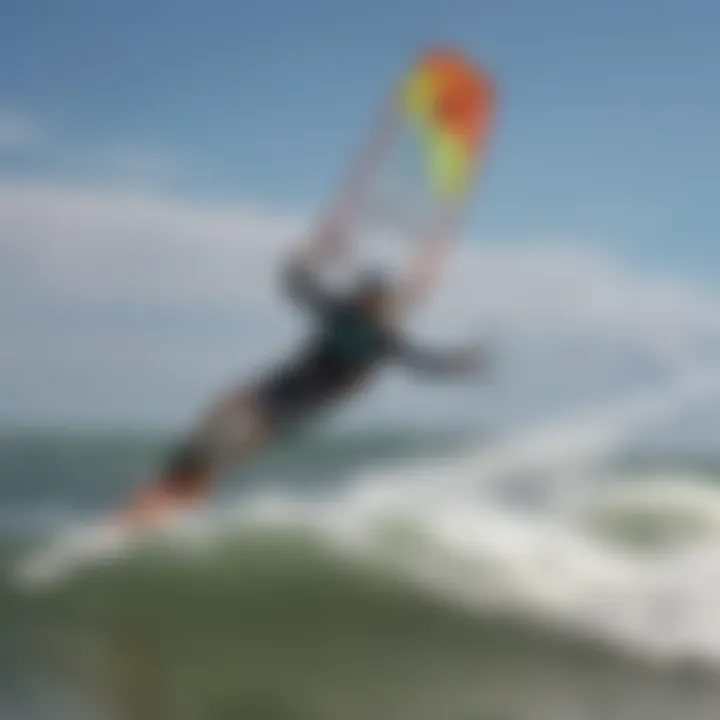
[606, 136]
[608, 121]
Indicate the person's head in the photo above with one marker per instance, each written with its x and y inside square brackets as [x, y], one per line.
[373, 296]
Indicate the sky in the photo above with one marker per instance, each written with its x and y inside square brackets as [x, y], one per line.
[156, 158]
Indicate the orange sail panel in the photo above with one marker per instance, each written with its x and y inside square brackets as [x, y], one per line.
[449, 100]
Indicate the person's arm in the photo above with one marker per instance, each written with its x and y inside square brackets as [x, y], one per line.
[330, 238]
[300, 272]
[457, 362]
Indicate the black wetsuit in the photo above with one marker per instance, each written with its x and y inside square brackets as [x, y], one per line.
[345, 350]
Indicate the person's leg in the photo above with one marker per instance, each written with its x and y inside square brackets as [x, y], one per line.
[232, 429]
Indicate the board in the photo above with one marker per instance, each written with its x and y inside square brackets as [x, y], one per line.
[73, 549]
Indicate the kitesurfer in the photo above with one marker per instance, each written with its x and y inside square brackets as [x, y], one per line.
[358, 333]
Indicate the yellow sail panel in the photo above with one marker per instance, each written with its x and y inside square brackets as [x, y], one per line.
[448, 160]
[417, 93]
[450, 101]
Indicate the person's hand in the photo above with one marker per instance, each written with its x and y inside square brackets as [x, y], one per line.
[334, 242]
[330, 242]
[474, 360]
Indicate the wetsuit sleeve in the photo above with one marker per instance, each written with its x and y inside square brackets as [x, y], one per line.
[302, 287]
[455, 362]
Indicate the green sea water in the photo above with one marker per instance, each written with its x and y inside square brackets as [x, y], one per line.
[275, 623]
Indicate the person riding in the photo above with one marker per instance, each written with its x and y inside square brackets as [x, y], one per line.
[357, 333]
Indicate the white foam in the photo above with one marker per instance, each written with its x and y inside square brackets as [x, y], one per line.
[471, 549]
[550, 564]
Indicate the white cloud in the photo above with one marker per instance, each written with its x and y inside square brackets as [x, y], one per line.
[121, 164]
[137, 305]
[136, 160]
[18, 131]
[100, 246]
[565, 287]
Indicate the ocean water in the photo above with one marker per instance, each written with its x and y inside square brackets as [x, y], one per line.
[399, 574]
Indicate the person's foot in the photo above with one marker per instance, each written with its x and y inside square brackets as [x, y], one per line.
[154, 505]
